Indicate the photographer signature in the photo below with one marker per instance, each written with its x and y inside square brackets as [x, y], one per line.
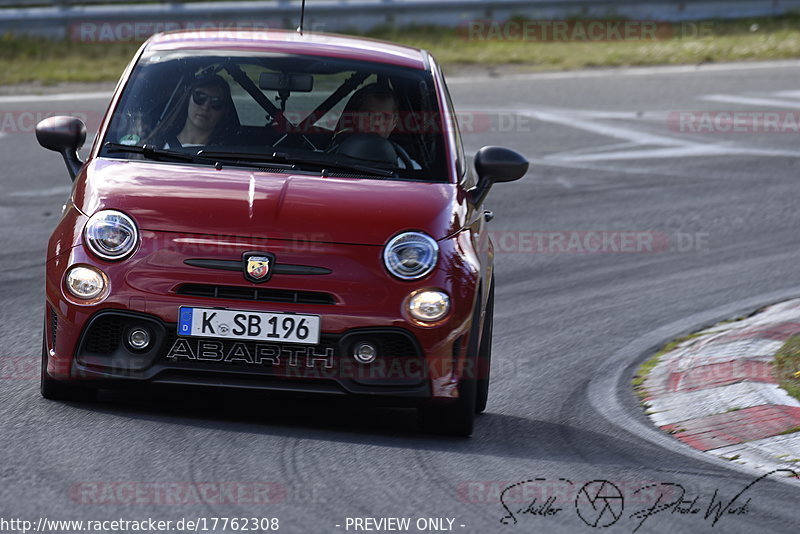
[600, 503]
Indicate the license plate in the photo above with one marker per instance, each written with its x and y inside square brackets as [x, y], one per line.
[233, 324]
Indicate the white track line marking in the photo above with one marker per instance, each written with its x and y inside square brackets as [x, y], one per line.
[52, 191]
[650, 146]
[771, 103]
[636, 71]
[694, 150]
[787, 94]
[620, 132]
[55, 98]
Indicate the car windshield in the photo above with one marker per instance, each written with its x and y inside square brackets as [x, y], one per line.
[282, 112]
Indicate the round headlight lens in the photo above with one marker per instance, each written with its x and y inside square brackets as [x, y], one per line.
[411, 255]
[429, 306]
[85, 283]
[111, 234]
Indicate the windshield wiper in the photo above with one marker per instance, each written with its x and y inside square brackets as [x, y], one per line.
[154, 153]
[280, 157]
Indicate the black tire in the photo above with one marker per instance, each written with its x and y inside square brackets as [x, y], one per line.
[59, 390]
[457, 418]
[485, 355]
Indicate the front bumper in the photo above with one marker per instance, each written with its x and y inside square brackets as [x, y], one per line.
[103, 354]
[356, 300]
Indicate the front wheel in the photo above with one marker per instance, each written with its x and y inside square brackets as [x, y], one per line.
[457, 418]
[59, 390]
[485, 354]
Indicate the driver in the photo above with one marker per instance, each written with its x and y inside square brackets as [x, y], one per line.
[373, 109]
[204, 116]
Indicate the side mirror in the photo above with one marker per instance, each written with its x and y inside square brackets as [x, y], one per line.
[496, 164]
[66, 136]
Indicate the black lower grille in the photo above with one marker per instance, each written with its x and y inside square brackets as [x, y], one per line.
[389, 344]
[105, 335]
[256, 294]
[227, 344]
[399, 362]
[53, 327]
[395, 345]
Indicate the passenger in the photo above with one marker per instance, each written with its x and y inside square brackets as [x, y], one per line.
[203, 116]
[373, 109]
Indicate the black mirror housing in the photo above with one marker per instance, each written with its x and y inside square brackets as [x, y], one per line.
[496, 164]
[66, 136]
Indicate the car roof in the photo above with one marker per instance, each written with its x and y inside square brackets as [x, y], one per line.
[287, 41]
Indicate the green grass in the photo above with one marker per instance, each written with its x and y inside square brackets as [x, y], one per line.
[786, 366]
[726, 41]
[790, 431]
[644, 370]
[49, 62]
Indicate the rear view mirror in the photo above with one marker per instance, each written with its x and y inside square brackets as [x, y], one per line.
[286, 81]
[66, 136]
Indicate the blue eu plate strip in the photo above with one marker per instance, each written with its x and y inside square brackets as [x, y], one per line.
[185, 321]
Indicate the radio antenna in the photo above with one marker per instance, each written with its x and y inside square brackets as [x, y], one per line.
[302, 16]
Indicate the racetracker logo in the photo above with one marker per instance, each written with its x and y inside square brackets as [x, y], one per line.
[580, 242]
[20, 368]
[177, 493]
[128, 32]
[555, 491]
[580, 30]
[24, 121]
[734, 122]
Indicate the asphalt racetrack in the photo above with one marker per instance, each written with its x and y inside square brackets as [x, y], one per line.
[640, 215]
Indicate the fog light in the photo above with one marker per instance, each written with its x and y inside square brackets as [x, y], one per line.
[139, 338]
[429, 306]
[85, 282]
[365, 352]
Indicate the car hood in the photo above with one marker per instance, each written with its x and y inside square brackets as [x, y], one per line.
[246, 203]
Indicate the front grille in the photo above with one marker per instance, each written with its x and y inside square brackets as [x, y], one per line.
[53, 327]
[395, 346]
[105, 335]
[389, 344]
[227, 344]
[399, 364]
[256, 294]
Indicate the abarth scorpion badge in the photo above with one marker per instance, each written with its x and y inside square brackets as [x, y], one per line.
[258, 266]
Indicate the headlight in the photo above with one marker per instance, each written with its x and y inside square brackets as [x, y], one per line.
[411, 255]
[429, 306]
[85, 282]
[111, 235]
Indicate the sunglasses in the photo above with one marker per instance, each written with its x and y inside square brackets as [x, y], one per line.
[200, 98]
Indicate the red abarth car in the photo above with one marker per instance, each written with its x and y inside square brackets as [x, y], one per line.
[276, 211]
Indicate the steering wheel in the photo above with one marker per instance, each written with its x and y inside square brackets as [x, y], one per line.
[368, 147]
[404, 157]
